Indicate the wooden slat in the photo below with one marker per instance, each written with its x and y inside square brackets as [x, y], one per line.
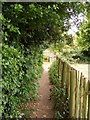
[81, 96]
[88, 100]
[72, 94]
[77, 94]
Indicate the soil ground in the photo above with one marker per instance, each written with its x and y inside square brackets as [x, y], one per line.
[44, 106]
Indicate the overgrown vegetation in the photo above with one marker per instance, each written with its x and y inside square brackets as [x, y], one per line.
[22, 67]
[20, 75]
[73, 54]
[75, 49]
[46, 58]
[61, 103]
[80, 50]
[83, 37]
[27, 29]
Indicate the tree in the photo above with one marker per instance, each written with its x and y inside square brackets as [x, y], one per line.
[83, 37]
[37, 22]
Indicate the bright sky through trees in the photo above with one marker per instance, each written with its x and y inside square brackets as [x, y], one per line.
[75, 24]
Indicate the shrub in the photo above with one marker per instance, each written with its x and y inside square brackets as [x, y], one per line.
[20, 74]
[61, 102]
[75, 55]
[13, 79]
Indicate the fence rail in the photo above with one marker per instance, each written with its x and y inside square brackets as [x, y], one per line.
[78, 90]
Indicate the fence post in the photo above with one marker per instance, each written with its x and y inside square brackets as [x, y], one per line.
[72, 94]
[88, 100]
[85, 97]
[58, 67]
[81, 95]
[63, 73]
[83, 112]
[62, 82]
[68, 79]
[61, 67]
[77, 94]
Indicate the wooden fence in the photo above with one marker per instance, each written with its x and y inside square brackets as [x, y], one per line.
[78, 90]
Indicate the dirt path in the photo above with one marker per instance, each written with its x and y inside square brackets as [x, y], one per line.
[43, 107]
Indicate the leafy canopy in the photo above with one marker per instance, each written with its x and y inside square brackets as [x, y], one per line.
[37, 22]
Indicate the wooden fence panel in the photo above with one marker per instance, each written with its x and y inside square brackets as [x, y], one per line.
[78, 90]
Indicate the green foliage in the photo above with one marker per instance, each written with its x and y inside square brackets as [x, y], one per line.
[12, 79]
[83, 37]
[22, 66]
[26, 28]
[61, 102]
[65, 39]
[21, 62]
[74, 55]
[38, 22]
[53, 73]
[46, 57]
[19, 78]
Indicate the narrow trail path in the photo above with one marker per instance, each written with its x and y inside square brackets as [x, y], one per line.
[44, 107]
